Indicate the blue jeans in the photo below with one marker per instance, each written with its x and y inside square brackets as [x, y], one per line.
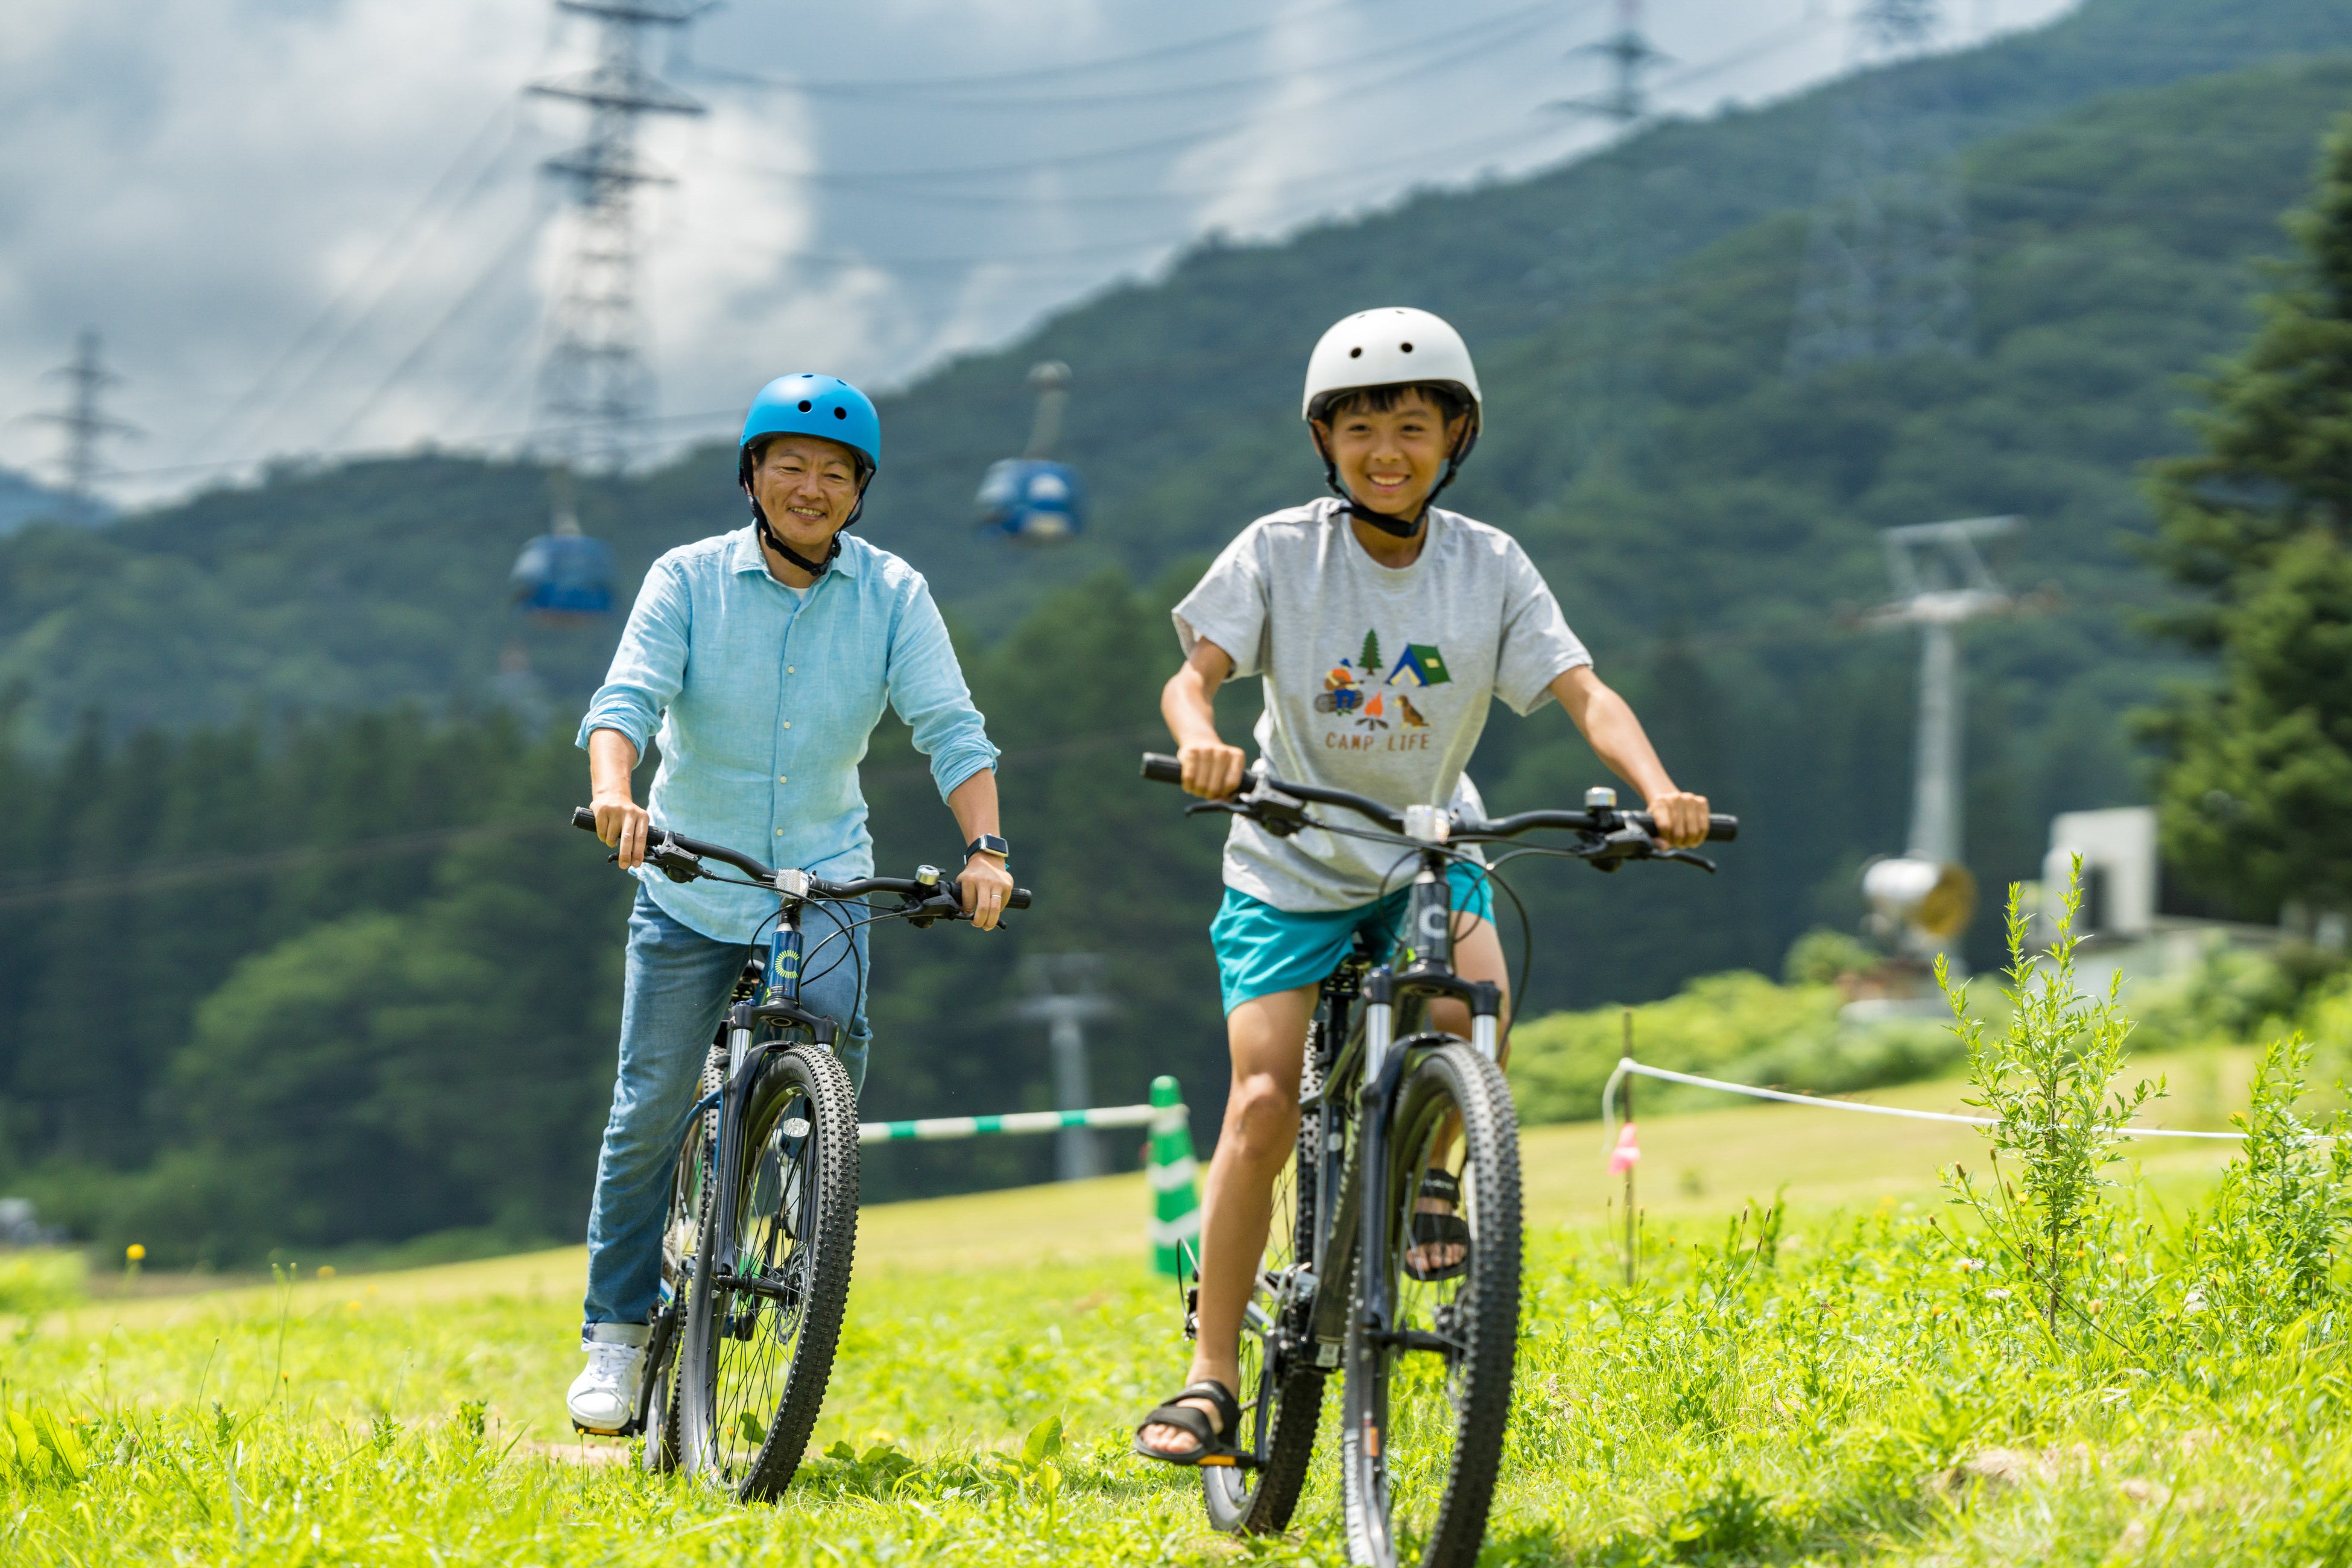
[677, 985]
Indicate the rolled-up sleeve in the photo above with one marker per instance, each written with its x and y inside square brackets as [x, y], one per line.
[649, 665]
[927, 693]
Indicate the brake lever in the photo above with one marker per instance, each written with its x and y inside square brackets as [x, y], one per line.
[677, 865]
[1687, 857]
[1277, 813]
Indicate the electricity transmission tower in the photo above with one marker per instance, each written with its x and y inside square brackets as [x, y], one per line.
[1610, 252]
[84, 423]
[1066, 993]
[1885, 266]
[593, 379]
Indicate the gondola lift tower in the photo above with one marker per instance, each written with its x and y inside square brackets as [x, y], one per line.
[1921, 901]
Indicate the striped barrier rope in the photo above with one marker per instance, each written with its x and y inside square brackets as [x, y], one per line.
[1170, 1171]
[937, 1127]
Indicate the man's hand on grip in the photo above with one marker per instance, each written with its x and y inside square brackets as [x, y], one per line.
[622, 824]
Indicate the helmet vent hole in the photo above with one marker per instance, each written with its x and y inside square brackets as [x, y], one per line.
[1407, 347]
[804, 406]
[1355, 353]
[841, 413]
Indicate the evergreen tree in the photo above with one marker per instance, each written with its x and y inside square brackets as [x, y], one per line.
[2257, 793]
[1369, 659]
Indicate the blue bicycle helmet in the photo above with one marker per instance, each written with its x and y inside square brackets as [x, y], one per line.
[810, 405]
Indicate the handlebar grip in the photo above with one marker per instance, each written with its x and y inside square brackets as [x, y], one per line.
[1162, 769]
[953, 892]
[583, 819]
[1722, 829]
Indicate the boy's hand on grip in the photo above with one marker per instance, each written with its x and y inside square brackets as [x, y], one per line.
[1213, 770]
[1681, 818]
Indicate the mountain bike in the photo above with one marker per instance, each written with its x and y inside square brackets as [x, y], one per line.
[762, 1217]
[1393, 1112]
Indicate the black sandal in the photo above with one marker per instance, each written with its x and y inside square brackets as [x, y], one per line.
[1210, 1448]
[1429, 1231]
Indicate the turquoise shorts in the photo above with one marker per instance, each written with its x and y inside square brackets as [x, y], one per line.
[1262, 950]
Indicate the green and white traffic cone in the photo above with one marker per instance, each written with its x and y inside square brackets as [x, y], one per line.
[1175, 1207]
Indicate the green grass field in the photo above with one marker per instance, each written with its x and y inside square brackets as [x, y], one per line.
[1857, 1394]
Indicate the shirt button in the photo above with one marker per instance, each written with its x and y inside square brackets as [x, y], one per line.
[791, 670]
[779, 833]
[788, 723]
[782, 779]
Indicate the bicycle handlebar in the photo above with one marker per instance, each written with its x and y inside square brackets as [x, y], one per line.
[905, 887]
[1720, 828]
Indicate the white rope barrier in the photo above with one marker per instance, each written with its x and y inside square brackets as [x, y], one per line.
[1628, 1065]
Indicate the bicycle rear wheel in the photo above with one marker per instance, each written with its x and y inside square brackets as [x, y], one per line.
[1428, 1398]
[1282, 1388]
[762, 1322]
[690, 1194]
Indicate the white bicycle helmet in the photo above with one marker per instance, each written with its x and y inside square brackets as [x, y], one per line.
[1393, 346]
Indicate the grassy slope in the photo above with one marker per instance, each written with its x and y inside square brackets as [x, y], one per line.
[1694, 1165]
[325, 1424]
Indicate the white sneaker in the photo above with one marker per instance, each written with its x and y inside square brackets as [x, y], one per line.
[604, 1396]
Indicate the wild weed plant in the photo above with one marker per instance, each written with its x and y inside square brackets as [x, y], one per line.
[2280, 1215]
[2046, 1079]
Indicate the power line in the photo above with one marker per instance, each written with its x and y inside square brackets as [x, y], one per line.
[926, 86]
[498, 265]
[436, 193]
[1385, 53]
[1520, 26]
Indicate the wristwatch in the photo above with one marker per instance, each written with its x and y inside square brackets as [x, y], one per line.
[989, 844]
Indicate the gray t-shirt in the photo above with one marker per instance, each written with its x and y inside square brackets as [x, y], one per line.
[1377, 680]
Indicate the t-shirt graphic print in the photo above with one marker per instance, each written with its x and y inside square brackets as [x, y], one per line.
[1377, 678]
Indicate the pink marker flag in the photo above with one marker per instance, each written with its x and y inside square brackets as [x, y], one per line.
[1627, 1154]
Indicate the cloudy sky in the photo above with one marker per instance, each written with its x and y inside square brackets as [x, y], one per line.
[319, 225]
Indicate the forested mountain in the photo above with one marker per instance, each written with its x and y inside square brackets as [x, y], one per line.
[174, 677]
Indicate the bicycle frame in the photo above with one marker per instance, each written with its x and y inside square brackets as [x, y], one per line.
[1420, 971]
[778, 1005]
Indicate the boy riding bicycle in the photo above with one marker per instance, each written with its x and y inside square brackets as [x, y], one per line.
[1382, 628]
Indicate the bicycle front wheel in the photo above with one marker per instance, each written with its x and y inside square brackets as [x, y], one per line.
[1429, 1390]
[763, 1317]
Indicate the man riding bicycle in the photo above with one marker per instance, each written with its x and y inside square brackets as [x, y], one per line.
[1382, 628]
[764, 656]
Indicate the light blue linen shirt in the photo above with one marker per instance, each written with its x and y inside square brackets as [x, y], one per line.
[765, 702]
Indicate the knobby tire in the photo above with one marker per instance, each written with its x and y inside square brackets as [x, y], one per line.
[1418, 1463]
[799, 1234]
